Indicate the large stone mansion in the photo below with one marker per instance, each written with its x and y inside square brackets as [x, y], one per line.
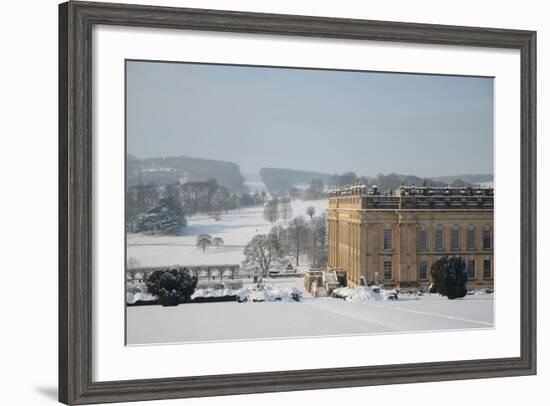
[395, 238]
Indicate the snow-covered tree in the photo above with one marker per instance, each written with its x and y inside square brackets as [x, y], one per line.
[171, 190]
[147, 222]
[315, 190]
[171, 216]
[263, 252]
[285, 209]
[168, 217]
[132, 210]
[132, 271]
[132, 263]
[318, 252]
[203, 242]
[294, 192]
[310, 212]
[216, 214]
[217, 242]
[299, 237]
[219, 203]
[246, 200]
[171, 287]
[271, 211]
[320, 229]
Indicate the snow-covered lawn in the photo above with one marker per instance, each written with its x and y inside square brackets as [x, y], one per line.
[236, 228]
[308, 318]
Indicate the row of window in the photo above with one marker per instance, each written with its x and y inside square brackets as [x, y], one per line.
[423, 269]
[455, 239]
[439, 239]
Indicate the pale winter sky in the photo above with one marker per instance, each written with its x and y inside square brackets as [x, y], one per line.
[320, 120]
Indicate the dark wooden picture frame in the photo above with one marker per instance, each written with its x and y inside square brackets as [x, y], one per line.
[76, 20]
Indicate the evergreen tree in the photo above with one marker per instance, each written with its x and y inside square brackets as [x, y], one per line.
[171, 216]
[171, 287]
[168, 217]
[147, 223]
[449, 277]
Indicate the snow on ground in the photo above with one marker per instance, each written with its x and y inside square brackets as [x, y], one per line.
[268, 294]
[139, 296]
[236, 228]
[360, 294]
[279, 289]
[309, 317]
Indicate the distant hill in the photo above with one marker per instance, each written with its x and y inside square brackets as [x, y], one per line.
[163, 171]
[468, 178]
[392, 181]
[279, 180]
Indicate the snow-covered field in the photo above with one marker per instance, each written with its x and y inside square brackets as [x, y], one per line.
[236, 228]
[308, 318]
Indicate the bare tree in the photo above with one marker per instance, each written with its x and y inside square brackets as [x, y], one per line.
[299, 235]
[315, 190]
[271, 211]
[318, 252]
[216, 214]
[203, 242]
[218, 242]
[320, 229]
[294, 193]
[286, 209]
[132, 272]
[218, 203]
[263, 252]
[132, 263]
[310, 212]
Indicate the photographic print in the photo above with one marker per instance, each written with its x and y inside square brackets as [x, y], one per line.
[272, 202]
[290, 202]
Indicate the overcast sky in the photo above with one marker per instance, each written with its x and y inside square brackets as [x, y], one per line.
[321, 120]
